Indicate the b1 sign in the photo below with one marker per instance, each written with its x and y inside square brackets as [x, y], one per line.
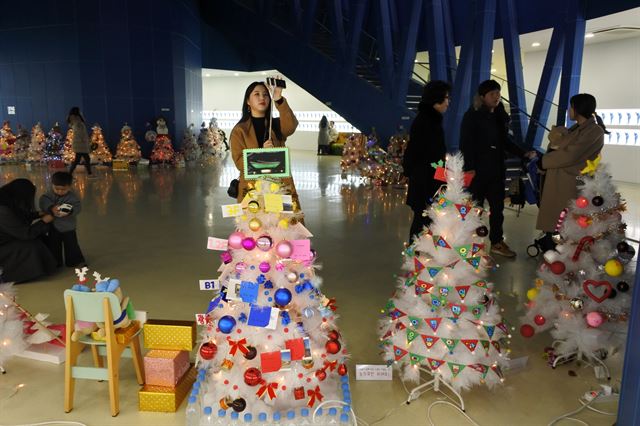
[373, 372]
[209, 285]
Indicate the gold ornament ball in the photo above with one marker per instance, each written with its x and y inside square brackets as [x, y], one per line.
[255, 224]
[532, 293]
[274, 187]
[292, 277]
[283, 223]
[253, 206]
[613, 268]
[253, 194]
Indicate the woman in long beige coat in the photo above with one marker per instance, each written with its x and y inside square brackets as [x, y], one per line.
[252, 131]
[569, 150]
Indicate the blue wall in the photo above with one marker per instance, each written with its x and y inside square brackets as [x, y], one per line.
[118, 60]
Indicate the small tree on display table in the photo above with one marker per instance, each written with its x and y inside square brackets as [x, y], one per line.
[128, 149]
[162, 152]
[36, 148]
[100, 153]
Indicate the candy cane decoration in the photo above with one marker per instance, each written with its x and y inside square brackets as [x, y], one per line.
[584, 242]
[563, 215]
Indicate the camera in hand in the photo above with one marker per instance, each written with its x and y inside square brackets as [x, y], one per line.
[277, 82]
[65, 208]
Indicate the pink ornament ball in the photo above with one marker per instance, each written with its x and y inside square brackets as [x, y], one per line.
[235, 240]
[582, 202]
[284, 249]
[264, 267]
[594, 319]
[248, 243]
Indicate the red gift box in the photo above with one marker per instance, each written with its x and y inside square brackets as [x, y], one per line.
[440, 175]
[165, 368]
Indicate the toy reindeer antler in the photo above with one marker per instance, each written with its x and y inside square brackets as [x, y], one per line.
[82, 273]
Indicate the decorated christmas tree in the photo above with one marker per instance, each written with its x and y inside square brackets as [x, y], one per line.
[67, 153]
[270, 342]
[100, 153]
[12, 341]
[216, 138]
[583, 287]
[7, 140]
[21, 145]
[208, 140]
[352, 154]
[54, 145]
[443, 318]
[36, 148]
[189, 146]
[162, 152]
[128, 149]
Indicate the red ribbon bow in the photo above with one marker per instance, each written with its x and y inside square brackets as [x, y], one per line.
[331, 365]
[331, 304]
[314, 394]
[235, 345]
[268, 388]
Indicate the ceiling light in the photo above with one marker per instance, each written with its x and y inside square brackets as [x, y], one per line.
[263, 73]
[589, 35]
[493, 70]
[236, 74]
[535, 44]
[207, 75]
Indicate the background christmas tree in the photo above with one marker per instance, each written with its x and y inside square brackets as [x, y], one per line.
[67, 153]
[216, 138]
[100, 153]
[352, 153]
[162, 152]
[444, 315]
[7, 140]
[54, 144]
[128, 149]
[583, 287]
[189, 146]
[270, 342]
[21, 145]
[12, 341]
[36, 148]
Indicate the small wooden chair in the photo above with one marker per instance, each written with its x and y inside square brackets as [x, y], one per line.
[97, 307]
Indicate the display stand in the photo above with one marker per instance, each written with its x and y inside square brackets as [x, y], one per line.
[589, 358]
[434, 384]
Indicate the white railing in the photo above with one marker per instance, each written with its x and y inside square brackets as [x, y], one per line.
[624, 125]
[308, 120]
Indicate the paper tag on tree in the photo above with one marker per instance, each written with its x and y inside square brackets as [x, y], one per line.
[214, 243]
[301, 250]
[202, 319]
[263, 316]
[231, 210]
[233, 289]
[273, 203]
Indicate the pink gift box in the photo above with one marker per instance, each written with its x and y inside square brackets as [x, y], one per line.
[165, 368]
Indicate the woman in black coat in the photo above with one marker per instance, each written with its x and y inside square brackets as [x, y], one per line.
[23, 255]
[426, 145]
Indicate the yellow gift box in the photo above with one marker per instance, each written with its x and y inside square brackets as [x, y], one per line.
[170, 335]
[166, 399]
[120, 165]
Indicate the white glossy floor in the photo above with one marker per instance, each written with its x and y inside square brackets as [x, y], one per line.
[149, 229]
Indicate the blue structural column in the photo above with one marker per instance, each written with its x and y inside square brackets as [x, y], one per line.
[513, 59]
[572, 60]
[309, 19]
[629, 406]
[407, 53]
[450, 49]
[337, 28]
[485, 19]
[547, 88]
[436, 39]
[385, 48]
[358, 9]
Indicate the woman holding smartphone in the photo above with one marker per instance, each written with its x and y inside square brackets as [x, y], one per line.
[252, 131]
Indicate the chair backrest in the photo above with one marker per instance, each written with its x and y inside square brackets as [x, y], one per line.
[87, 306]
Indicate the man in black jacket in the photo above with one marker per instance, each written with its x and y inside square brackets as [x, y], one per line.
[483, 140]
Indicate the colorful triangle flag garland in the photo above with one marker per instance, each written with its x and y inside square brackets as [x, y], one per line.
[462, 291]
[417, 265]
[480, 368]
[435, 363]
[399, 352]
[471, 344]
[456, 309]
[463, 209]
[429, 341]
[455, 368]
[435, 301]
[481, 284]
[415, 321]
[440, 242]
[434, 323]
[463, 251]
[411, 280]
[444, 291]
[490, 330]
[453, 264]
[475, 248]
[502, 326]
[433, 271]
[396, 313]
[496, 369]
[496, 345]
[411, 335]
[389, 306]
[486, 346]
[450, 344]
[416, 359]
[422, 287]
[474, 261]
[477, 311]
[400, 325]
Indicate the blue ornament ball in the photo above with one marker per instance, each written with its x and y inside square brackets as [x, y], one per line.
[226, 324]
[282, 297]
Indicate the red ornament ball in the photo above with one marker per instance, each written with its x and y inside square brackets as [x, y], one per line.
[208, 350]
[252, 376]
[321, 375]
[539, 320]
[334, 335]
[333, 347]
[584, 221]
[342, 370]
[557, 267]
[582, 202]
[527, 331]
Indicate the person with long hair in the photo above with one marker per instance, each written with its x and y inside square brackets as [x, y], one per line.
[252, 131]
[426, 145]
[23, 254]
[570, 150]
[80, 142]
[323, 136]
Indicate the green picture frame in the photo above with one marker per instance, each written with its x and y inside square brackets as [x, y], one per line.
[266, 162]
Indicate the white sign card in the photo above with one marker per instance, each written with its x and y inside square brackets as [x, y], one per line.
[214, 243]
[373, 372]
[209, 284]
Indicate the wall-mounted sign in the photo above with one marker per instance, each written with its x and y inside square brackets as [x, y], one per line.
[11, 110]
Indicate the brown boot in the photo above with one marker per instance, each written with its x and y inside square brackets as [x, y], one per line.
[502, 249]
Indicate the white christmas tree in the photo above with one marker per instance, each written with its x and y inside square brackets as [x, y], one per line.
[271, 342]
[583, 287]
[22, 144]
[189, 146]
[12, 340]
[444, 314]
[216, 138]
[36, 148]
